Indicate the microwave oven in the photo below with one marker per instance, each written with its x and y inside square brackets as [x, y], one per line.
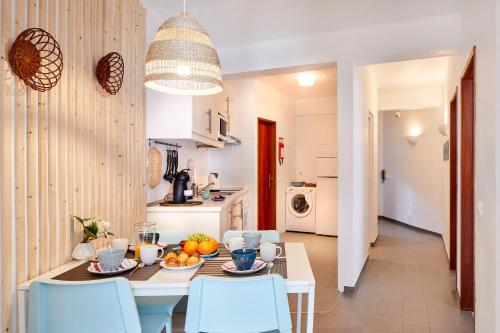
[222, 128]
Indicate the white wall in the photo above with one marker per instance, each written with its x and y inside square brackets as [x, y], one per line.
[236, 164]
[370, 105]
[316, 121]
[413, 191]
[188, 151]
[480, 21]
[415, 98]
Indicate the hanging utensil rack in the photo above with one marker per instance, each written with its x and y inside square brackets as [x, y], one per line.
[156, 142]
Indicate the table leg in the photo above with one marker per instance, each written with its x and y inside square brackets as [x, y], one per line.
[299, 311]
[310, 309]
[22, 309]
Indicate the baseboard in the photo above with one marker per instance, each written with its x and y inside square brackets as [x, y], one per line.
[409, 226]
[352, 290]
[372, 244]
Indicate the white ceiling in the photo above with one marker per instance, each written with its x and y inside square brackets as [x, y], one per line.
[404, 75]
[238, 22]
[325, 85]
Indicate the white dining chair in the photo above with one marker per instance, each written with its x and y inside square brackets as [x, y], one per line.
[228, 305]
[99, 306]
[271, 236]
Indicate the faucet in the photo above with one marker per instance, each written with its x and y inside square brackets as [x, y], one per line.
[198, 190]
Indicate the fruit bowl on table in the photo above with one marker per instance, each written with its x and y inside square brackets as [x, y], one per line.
[182, 268]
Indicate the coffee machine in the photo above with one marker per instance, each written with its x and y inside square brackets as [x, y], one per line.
[180, 185]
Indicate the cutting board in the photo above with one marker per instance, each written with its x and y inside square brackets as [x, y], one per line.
[154, 164]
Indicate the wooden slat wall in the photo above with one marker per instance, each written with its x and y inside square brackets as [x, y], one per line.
[74, 149]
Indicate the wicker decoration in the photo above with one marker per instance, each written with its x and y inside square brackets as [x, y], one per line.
[182, 60]
[36, 58]
[109, 71]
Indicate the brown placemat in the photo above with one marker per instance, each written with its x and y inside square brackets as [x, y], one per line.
[212, 266]
[80, 273]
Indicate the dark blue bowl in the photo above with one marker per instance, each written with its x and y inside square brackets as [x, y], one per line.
[244, 258]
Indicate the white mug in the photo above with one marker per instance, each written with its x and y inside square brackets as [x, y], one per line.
[268, 251]
[120, 244]
[234, 243]
[149, 254]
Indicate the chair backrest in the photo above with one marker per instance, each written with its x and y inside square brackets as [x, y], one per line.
[81, 307]
[172, 236]
[271, 236]
[227, 305]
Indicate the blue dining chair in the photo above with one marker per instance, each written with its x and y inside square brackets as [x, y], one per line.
[172, 236]
[100, 306]
[228, 305]
[271, 236]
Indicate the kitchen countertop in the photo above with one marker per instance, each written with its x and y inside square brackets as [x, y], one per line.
[207, 206]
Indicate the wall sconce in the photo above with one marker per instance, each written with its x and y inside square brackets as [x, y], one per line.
[414, 134]
[443, 129]
[412, 139]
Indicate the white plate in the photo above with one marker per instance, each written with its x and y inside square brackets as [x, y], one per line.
[230, 267]
[126, 265]
[181, 268]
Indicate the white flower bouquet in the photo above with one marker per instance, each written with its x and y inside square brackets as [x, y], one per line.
[94, 228]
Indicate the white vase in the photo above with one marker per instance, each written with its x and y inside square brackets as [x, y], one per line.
[84, 251]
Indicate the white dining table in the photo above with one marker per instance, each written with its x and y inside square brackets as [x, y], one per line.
[300, 280]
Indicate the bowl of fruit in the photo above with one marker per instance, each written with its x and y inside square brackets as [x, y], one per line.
[202, 244]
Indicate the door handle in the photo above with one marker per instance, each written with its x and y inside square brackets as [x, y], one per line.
[270, 178]
[209, 113]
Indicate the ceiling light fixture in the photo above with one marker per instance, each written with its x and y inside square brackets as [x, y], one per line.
[182, 60]
[306, 79]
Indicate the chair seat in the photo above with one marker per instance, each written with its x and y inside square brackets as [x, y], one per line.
[154, 323]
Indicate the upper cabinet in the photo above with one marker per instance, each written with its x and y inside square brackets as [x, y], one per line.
[185, 117]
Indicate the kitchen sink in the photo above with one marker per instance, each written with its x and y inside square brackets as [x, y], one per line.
[225, 192]
[187, 203]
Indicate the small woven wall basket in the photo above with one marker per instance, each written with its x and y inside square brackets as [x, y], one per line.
[109, 72]
[37, 59]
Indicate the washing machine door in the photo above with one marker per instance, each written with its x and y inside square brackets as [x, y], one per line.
[300, 204]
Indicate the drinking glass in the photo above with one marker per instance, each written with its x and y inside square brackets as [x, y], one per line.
[144, 234]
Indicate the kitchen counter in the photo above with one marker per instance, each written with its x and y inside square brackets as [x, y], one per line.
[213, 218]
[207, 206]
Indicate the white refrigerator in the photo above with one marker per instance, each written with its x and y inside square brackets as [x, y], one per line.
[326, 196]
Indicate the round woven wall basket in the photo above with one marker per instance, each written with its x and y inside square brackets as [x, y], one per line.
[37, 59]
[109, 71]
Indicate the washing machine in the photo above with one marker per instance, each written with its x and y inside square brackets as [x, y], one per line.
[301, 209]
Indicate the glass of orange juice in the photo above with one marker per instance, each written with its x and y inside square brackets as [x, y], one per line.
[144, 234]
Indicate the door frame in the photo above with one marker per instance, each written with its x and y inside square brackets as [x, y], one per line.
[453, 136]
[272, 145]
[467, 158]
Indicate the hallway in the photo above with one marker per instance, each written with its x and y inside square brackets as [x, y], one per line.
[407, 286]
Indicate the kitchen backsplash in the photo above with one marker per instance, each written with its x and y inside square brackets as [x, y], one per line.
[188, 151]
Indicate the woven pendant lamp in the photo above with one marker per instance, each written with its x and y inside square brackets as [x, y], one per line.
[182, 60]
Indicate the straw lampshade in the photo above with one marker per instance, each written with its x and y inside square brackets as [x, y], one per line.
[182, 60]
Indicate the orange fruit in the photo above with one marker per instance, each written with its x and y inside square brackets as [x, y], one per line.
[215, 245]
[190, 247]
[205, 247]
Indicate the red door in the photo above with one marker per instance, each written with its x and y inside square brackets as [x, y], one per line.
[266, 174]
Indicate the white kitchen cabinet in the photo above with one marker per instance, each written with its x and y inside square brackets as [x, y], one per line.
[184, 117]
[212, 218]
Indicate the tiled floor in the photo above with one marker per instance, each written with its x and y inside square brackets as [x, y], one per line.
[407, 286]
